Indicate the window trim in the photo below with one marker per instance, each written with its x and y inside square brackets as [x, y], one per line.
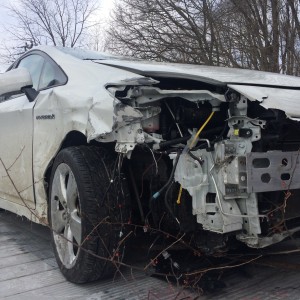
[46, 58]
[42, 67]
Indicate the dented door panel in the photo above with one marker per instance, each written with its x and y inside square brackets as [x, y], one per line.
[16, 151]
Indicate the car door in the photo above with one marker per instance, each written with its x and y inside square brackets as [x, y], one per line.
[16, 137]
[48, 130]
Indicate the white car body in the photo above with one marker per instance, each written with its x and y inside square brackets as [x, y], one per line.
[32, 133]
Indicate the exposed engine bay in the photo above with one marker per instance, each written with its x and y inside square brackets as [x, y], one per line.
[207, 161]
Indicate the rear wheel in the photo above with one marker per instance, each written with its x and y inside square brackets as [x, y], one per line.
[88, 211]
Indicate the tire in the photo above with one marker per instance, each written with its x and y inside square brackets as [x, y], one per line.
[90, 209]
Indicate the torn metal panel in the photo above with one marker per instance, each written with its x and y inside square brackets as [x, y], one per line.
[91, 111]
[262, 242]
[199, 180]
[136, 81]
[146, 95]
[272, 98]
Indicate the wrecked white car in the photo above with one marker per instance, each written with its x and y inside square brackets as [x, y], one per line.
[91, 143]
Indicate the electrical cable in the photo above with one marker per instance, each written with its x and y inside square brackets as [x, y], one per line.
[179, 195]
[187, 148]
[176, 123]
[157, 194]
[167, 203]
[201, 129]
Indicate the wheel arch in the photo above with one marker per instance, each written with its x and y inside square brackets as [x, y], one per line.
[73, 138]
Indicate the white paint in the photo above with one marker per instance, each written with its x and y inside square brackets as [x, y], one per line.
[76, 106]
[209, 74]
[84, 105]
[14, 80]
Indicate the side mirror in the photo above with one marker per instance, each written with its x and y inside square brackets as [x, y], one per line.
[15, 81]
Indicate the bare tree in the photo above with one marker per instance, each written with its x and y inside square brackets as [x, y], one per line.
[53, 22]
[167, 30]
[255, 34]
[96, 38]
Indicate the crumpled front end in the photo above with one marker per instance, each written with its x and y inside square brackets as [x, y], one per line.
[216, 162]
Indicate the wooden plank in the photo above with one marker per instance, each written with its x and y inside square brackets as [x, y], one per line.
[25, 269]
[28, 271]
[31, 282]
[22, 258]
[15, 250]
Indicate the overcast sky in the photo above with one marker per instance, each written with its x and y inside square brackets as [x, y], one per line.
[5, 19]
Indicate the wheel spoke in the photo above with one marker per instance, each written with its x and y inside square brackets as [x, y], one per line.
[58, 221]
[59, 189]
[68, 256]
[71, 192]
[64, 250]
[75, 226]
[65, 214]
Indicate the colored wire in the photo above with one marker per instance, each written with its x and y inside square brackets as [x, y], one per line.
[191, 146]
[201, 129]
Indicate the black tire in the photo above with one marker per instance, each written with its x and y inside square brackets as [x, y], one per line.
[98, 202]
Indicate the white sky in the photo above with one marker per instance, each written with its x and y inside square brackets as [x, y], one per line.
[4, 18]
[105, 9]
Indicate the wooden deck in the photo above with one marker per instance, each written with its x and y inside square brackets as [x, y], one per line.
[28, 271]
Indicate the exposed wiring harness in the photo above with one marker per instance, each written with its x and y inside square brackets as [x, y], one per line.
[157, 194]
[189, 147]
[168, 184]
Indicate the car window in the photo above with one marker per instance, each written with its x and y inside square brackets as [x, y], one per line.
[34, 64]
[51, 76]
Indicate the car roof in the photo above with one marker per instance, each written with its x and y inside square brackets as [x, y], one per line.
[209, 74]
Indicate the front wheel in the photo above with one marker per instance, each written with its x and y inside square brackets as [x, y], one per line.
[88, 211]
